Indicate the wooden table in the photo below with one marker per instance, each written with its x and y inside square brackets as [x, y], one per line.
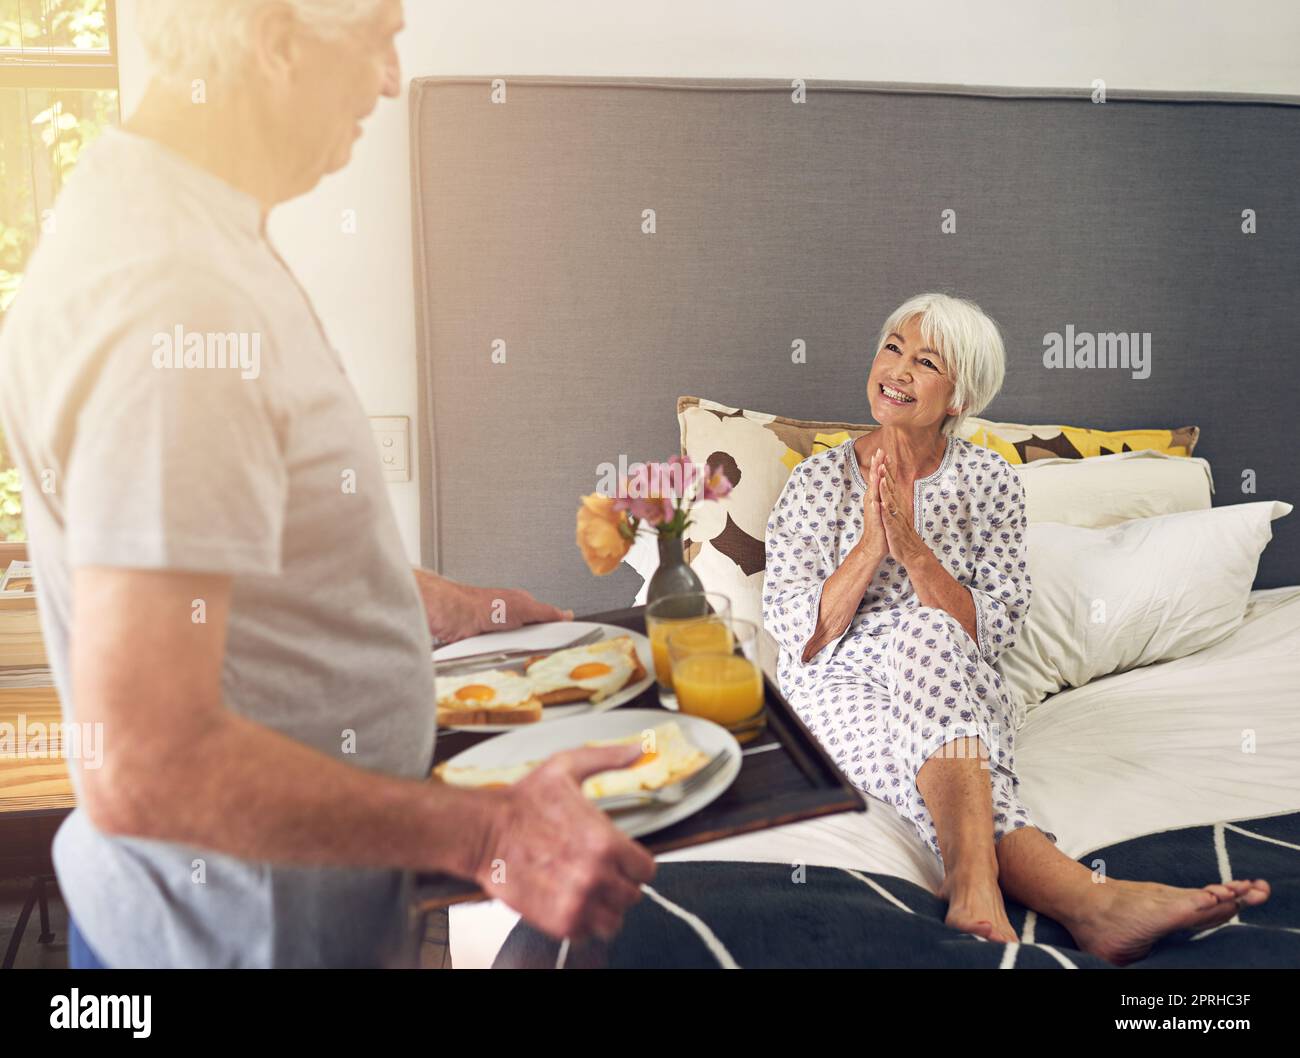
[41, 782]
[785, 776]
[35, 797]
[35, 794]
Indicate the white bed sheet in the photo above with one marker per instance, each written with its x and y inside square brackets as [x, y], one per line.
[1158, 748]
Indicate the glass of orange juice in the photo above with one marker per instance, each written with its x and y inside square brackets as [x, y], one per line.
[670, 613]
[716, 674]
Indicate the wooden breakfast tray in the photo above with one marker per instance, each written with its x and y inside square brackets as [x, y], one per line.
[785, 776]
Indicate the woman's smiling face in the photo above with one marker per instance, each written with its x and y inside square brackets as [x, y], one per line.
[906, 365]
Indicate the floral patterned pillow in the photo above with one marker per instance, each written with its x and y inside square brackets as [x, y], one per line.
[757, 451]
[1017, 443]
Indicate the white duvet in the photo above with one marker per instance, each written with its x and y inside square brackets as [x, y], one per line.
[1161, 747]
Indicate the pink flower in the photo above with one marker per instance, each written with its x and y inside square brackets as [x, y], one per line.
[716, 485]
[653, 510]
[653, 492]
[666, 479]
[643, 497]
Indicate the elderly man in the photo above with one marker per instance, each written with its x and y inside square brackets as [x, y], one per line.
[222, 583]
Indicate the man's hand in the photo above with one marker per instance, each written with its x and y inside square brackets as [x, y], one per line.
[558, 860]
[458, 611]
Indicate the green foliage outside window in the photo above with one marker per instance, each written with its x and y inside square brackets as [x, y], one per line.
[44, 127]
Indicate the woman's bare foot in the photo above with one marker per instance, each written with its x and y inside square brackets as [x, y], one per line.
[975, 906]
[1126, 918]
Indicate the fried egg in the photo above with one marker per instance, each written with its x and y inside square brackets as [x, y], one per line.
[667, 756]
[483, 778]
[493, 689]
[600, 668]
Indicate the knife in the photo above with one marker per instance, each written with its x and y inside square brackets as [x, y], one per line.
[506, 657]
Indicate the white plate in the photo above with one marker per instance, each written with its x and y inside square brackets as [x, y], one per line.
[536, 742]
[543, 638]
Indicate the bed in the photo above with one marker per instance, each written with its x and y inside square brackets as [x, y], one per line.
[1127, 755]
[779, 234]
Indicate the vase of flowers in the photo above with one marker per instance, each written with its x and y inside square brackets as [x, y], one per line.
[653, 498]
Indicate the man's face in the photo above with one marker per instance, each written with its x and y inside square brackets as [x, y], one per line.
[337, 84]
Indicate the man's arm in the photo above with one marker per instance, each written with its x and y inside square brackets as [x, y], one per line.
[180, 766]
[458, 611]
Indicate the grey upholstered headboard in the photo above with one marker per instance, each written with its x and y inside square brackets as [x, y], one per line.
[775, 221]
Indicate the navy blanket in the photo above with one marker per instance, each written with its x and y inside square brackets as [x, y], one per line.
[709, 914]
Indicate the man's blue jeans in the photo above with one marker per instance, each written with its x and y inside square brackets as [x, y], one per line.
[81, 956]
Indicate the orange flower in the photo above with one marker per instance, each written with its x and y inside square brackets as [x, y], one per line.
[601, 534]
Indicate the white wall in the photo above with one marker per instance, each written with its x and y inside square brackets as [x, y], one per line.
[362, 284]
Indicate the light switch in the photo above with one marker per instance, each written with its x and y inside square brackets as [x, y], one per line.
[393, 436]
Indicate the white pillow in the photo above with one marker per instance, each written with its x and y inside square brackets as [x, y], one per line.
[1146, 590]
[1105, 490]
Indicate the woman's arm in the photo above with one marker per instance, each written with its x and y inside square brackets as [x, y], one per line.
[841, 596]
[993, 607]
[934, 585]
[938, 588]
[999, 581]
[809, 601]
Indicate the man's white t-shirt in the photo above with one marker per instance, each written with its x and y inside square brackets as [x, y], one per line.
[264, 469]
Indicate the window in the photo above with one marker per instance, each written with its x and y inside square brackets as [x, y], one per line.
[58, 89]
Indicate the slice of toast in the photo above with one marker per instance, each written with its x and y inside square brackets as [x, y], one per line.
[465, 716]
[491, 697]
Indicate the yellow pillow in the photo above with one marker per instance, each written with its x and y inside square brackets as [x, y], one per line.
[1017, 443]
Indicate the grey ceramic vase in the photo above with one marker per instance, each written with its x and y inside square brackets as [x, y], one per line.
[674, 576]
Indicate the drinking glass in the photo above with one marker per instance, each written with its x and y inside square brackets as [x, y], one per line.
[670, 613]
[716, 674]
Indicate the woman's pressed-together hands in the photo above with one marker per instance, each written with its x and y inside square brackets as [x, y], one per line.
[874, 541]
[888, 528]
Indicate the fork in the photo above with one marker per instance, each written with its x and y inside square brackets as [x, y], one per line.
[671, 794]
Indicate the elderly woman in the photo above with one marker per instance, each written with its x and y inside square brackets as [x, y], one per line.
[896, 577]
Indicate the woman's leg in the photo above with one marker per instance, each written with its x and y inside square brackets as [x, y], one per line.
[1116, 920]
[890, 740]
[949, 725]
[869, 735]
[954, 784]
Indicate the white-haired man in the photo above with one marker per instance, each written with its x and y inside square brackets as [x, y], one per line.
[222, 583]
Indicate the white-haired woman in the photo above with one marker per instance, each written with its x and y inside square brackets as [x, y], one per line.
[896, 577]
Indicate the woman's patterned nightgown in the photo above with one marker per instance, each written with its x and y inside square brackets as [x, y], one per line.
[904, 679]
